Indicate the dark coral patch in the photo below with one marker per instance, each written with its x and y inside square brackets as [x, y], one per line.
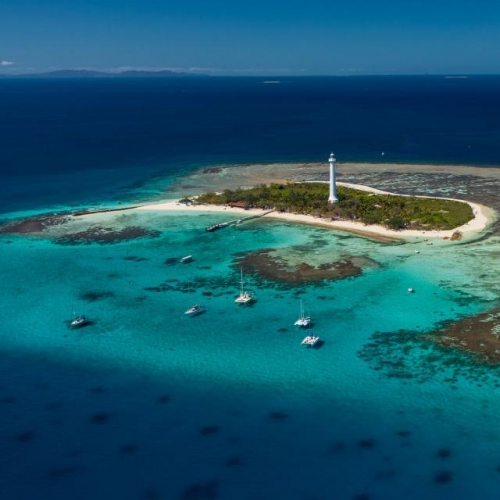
[25, 437]
[361, 496]
[35, 224]
[404, 433]
[61, 472]
[212, 170]
[232, 462]
[443, 477]
[412, 355]
[160, 288]
[278, 416]
[164, 399]
[209, 430]
[8, 400]
[366, 443]
[474, 335]
[443, 453]
[270, 266]
[135, 258]
[201, 491]
[97, 390]
[100, 418]
[95, 296]
[106, 235]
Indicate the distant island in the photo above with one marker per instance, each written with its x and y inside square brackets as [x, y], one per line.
[85, 73]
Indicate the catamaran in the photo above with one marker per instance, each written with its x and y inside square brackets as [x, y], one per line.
[244, 297]
[303, 321]
[310, 340]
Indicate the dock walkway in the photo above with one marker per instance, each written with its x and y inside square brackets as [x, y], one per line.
[220, 225]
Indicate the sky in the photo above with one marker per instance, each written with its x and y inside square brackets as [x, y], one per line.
[252, 37]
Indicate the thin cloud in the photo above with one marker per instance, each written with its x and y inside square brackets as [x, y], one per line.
[6, 63]
[120, 69]
[249, 71]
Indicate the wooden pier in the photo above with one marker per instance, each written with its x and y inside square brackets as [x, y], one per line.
[220, 225]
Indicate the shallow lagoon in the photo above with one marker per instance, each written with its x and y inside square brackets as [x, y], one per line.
[147, 403]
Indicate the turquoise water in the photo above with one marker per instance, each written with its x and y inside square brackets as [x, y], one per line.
[147, 403]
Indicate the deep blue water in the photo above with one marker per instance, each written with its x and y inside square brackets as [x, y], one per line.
[147, 404]
[76, 140]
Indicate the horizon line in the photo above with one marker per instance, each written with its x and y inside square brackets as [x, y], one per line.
[92, 73]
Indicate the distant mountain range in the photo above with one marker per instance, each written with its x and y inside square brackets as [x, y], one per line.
[85, 73]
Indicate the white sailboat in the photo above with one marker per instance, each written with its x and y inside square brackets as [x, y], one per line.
[244, 297]
[78, 320]
[194, 311]
[303, 321]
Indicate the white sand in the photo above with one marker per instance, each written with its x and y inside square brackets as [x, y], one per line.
[483, 217]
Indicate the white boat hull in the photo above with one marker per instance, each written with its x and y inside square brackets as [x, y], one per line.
[303, 322]
[78, 322]
[193, 311]
[244, 298]
[310, 340]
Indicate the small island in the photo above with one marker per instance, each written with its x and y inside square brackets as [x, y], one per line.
[296, 193]
[367, 207]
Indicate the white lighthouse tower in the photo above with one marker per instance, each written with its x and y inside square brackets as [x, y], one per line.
[333, 192]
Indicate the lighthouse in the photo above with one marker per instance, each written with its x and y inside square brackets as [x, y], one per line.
[333, 192]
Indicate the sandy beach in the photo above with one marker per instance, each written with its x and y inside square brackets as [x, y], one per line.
[398, 178]
[483, 217]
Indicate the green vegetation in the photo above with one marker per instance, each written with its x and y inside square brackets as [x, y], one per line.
[392, 211]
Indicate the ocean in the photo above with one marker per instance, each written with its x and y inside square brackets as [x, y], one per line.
[75, 141]
[146, 403]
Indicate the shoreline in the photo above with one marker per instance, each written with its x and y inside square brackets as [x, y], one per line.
[483, 217]
[245, 176]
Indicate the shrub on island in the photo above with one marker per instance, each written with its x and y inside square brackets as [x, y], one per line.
[311, 198]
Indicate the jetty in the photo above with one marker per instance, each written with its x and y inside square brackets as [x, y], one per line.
[220, 225]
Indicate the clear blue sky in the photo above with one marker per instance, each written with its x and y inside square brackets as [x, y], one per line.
[253, 37]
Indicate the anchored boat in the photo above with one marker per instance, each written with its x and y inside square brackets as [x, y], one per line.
[193, 311]
[310, 340]
[244, 297]
[78, 321]
[303, 321]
